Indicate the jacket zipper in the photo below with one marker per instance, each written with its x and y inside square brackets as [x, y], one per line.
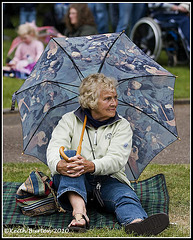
[95, 137]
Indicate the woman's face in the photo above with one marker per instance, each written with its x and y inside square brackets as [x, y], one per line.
[73, 15]
[107, 104]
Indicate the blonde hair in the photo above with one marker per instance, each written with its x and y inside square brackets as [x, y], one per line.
[90, 89]
[27, 28]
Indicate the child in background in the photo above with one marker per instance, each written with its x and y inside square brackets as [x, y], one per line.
[28, 51]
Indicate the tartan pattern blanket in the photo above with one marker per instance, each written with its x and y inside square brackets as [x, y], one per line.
[152, 192]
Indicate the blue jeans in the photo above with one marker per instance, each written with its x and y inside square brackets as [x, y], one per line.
[27, 16]
[101, 17]
[125, 15]
[118, 197]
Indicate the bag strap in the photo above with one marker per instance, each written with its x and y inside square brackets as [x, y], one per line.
[60, 209]
[96, 191]
[44, 178]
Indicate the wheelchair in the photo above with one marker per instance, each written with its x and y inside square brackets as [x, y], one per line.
[152, 36]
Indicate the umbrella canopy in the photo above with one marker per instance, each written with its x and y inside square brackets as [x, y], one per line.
[145, 93]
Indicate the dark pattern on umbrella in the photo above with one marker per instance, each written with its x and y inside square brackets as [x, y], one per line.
[145, 93]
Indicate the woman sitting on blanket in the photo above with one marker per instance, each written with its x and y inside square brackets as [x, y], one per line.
[28, 51]
[100, 167]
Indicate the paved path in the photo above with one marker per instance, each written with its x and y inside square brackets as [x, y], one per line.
[177, 152]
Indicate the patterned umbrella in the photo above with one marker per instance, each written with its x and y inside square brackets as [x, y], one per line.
[145, 93]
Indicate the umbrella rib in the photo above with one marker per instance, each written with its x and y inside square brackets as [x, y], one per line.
[54, 83]
[68, 84]
[147, 115]
[141, 76]
[100, 68]
[58, 105]
[76, 67]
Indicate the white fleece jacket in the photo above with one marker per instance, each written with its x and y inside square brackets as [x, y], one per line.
[111, 145]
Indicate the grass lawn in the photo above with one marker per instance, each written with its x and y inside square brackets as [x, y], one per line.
[178, 184]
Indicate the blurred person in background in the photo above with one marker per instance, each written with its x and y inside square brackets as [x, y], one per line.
[56, 16]
[79, 21]
[27, 12]
[124, 15]
[27, 52]
[101, 16]
[178, 13]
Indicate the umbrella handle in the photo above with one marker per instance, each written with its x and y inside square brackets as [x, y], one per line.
[81, 137]
[61, 150]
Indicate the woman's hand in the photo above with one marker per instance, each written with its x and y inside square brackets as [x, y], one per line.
[179, 8]
[76, 167]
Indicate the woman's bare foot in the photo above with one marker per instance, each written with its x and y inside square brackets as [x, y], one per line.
[79, 220]
[79, 210]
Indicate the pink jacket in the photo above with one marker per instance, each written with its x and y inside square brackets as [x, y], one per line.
[34, 50]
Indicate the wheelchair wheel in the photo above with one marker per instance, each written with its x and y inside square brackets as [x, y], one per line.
[146, 34]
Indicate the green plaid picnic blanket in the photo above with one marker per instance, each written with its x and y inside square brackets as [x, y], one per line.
[152, 192]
